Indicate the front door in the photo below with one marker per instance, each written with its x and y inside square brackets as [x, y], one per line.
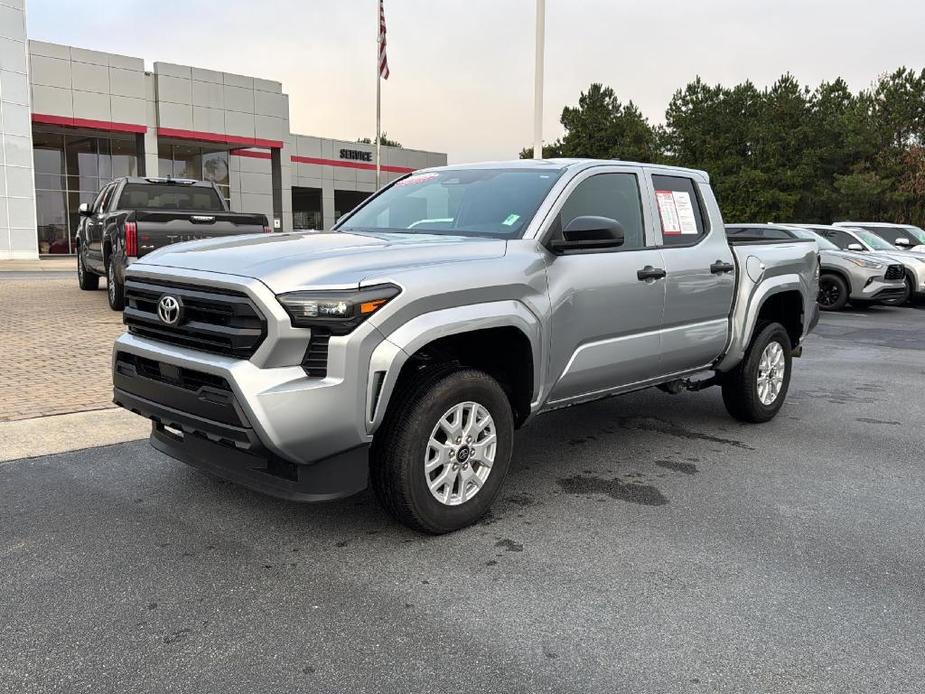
[605, 316]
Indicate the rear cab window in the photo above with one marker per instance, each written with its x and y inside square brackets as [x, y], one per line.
[167, 196]
[680, 210]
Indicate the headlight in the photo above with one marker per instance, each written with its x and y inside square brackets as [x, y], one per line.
[340, 310]
[869, 264]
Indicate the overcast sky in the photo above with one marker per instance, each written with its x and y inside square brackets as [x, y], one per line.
[462, 70]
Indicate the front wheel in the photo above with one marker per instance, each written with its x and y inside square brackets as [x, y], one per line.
[833, 293]
[115, 290]
[755, 390]
[441, 455]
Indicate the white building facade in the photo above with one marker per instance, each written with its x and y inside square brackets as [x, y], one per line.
[73, 119]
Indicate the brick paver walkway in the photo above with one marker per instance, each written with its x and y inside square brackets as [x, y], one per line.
[56, 347]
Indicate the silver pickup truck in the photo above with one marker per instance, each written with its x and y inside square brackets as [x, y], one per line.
[402, 348]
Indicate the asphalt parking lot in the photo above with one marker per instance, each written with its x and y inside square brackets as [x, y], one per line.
[643, 544]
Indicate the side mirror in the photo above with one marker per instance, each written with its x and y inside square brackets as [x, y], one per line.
[589, 233]
[855, 247]
[84, 209]
[902, 242]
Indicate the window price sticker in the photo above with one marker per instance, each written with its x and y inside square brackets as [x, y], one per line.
[677, 212]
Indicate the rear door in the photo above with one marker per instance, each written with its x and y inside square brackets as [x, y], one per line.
[700, 281]
[604, 317]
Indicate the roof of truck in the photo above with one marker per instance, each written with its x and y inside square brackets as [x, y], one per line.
[147, 180]
[560, 164]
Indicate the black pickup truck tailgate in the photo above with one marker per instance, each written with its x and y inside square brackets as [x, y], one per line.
[158, 228]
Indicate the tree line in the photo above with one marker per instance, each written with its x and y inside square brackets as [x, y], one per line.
[782, 153]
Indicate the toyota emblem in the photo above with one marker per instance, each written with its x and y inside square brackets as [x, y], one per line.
[169, 309]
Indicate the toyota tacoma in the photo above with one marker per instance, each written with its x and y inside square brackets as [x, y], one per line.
[402, 348]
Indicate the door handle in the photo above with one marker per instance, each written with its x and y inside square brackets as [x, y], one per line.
[719, 267]
[651, 273]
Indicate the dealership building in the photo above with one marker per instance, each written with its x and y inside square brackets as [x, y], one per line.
[72, 119]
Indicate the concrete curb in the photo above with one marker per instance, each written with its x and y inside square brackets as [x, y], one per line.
[28, 438]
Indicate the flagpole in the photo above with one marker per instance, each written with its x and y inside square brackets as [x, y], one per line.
[538, 80]
[378, 89]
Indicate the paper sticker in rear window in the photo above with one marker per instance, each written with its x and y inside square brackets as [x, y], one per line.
[668, 211]
[677, 212]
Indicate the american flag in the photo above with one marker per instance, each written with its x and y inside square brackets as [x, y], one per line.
[383, 60]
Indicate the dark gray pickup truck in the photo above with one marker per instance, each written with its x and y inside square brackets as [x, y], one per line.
[134, 216]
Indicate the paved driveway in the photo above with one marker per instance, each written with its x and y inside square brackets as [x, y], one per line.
[57, 345]
[642, 544]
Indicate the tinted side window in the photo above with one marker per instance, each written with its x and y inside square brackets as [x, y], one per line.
[612, 195]
[107, 197]
[682, 217]
[839, 238]
[889, 234]
[774, 233]
[98, 203]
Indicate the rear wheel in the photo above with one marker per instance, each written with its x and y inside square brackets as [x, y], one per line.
[755, 390]
[833, 293]
[441, 456]
[115, 290]
[86, 280]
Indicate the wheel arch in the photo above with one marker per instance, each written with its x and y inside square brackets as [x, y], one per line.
[501, 338]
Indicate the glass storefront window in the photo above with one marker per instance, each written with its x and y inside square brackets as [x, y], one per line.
[306, 208]
[201, 163]
[51, 218]
[124, 158]
[215, 167]
[70, 168]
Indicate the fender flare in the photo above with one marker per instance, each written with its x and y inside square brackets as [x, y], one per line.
[393, 352]
[738, 341]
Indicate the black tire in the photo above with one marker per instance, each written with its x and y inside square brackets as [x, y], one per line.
[833, 292]
[86, 280]
[902, 299]
[400, 447]
[740, 386]
[115, 290]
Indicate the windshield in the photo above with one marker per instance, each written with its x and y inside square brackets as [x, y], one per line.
[874, 241]
[823, 243]
[466, 202]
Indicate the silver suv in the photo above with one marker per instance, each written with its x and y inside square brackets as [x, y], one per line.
[405, 346]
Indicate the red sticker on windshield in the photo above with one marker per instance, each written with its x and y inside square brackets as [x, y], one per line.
[417, 178]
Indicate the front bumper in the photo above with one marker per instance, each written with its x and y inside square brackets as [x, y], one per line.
[879, 289]
[199, 419]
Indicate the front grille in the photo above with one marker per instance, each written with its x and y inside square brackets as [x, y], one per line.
[315, 361]
[895, 272]
[212, 320]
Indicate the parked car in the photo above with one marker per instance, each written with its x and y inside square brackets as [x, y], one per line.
[133, 216]
[845, 275]
[906, 237]
[863, 241]
[405, 346]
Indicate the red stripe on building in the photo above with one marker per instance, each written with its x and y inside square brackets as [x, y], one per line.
[249, 153]
[219, 137]
[349, 164]
[70, 122]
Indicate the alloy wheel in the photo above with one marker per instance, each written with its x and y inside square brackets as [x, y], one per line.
[771, 368]
[460, 453]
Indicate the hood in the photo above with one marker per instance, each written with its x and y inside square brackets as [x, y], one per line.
[876, 257]
[304, 259]
[898, 256]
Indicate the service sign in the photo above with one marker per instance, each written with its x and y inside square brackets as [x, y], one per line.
[356, 155]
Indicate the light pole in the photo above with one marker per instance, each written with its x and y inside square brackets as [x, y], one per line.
[538, 80]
